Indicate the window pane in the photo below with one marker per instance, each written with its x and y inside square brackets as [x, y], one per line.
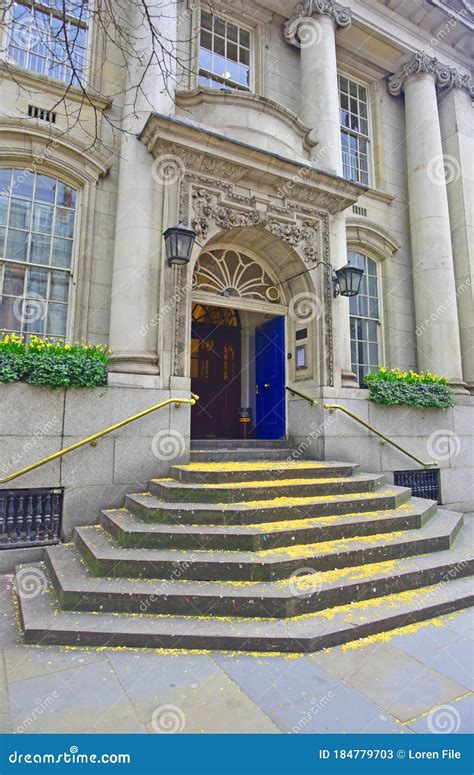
[5, 181]
[22, 183]
[43, 218]
[372, 330]
[40, 248]
[19, 214]
[17, 245]
[45, 189]
[13, 280]
[64, 226]
[2, 240]
[59, 286]
[66, 195]
[37, 282]
[8, 318]
[62, 253]
[56, 323]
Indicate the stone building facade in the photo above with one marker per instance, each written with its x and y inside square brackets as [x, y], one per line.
[290, 137]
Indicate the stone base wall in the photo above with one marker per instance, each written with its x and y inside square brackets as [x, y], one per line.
[36, 422]
[429, 434]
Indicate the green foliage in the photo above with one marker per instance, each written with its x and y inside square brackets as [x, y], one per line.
[393, 387]
[52, 363]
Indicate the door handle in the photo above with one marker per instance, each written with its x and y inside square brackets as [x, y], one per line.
[256, 389]
[267, 384]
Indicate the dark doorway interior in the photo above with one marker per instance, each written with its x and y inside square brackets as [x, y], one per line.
[215, 372]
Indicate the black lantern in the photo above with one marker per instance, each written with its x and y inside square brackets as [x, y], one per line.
[179, 242]
[347, 280]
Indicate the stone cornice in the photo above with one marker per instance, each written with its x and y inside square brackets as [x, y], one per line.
[340, 14]
[446, 78]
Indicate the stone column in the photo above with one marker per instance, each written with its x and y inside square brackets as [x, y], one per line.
[138, 233]
[437, 328]
[313, 30]
[455, 109]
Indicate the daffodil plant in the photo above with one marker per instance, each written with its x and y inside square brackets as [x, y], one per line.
[52, 362]
[408, 388]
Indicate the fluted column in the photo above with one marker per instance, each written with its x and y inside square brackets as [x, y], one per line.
[455, 109]
[313, 31]
[138, 232]
[437, 327]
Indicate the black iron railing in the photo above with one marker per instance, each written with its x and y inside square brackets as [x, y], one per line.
[423, 484]
[30, 517]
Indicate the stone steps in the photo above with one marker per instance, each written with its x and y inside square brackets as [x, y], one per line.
[224, 472]
[128, 531]
[151, 509]
[270, 555]
[43, 623]
[106, 559]
[237, 492]
[78, 589]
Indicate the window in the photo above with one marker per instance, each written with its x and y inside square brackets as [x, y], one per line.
[354, 130]
[37, 222]
[49, 37]
[364, 318]
[224, 54]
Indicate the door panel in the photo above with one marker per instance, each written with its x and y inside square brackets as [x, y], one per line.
[270, 379]
[215, 377]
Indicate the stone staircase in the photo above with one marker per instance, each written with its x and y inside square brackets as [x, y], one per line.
[250, 548]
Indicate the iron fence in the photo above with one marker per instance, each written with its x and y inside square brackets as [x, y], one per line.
[30, 517]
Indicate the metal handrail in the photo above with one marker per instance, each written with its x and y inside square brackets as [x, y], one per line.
[312, 401]
[333, 407]
[98, 435]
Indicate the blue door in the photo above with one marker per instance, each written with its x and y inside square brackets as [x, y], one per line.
[270, 379]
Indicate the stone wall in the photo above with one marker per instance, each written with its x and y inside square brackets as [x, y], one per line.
[442, 435]
[36, 422]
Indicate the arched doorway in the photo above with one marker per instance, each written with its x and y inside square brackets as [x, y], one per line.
[237, 346]
[215, 371]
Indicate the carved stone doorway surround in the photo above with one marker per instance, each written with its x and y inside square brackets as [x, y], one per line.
[228, 190]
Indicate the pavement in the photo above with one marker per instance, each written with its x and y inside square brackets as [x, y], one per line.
[418, 679]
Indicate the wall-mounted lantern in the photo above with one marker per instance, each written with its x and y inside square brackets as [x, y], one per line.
[347, 280]
[179, 243]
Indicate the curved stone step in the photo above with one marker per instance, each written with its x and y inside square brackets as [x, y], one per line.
[129, 531]
[241, 455]
[106, 559]
[152, 509]
[43, 623]
[168, 489]
[235, 471]
[77, 589]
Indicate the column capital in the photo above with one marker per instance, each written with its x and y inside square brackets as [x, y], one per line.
[340, 14]
[446, 77]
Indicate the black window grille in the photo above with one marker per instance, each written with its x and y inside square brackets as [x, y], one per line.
[30, 517]
[423, 484]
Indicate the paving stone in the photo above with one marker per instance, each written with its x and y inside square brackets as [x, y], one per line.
[400, 684]
[426, 641]
[302, 698]
[463, 623]
[5, 724]
[457, 717]
[23, 662]
[457, 663]
[190, 691]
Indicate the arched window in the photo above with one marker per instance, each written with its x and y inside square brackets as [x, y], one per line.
[364, 317]
[37, 224]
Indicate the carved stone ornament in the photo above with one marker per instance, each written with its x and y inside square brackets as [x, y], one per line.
[312, 8]
[446, 77]
[206, 209]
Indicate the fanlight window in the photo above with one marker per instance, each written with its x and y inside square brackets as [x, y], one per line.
[229, 273]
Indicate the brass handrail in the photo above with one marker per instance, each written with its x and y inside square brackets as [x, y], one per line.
[312, 401]
[333, 407]
[99, 434]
